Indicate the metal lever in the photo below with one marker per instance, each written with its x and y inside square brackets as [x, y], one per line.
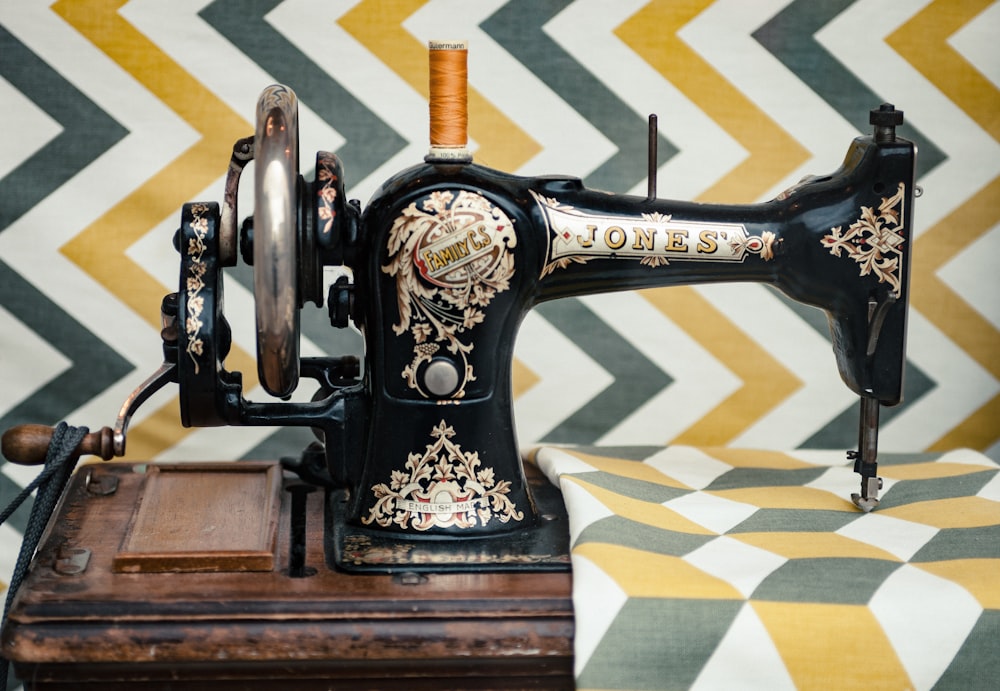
[228, 233]
[166, 373]
[28, 444]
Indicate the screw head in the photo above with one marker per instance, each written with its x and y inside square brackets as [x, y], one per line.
[886, 116]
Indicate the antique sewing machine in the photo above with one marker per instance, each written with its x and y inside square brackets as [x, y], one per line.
[416, 448]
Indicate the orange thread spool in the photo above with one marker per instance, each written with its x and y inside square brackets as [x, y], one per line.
[449, 116]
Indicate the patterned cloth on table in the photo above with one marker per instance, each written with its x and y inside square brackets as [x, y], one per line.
[719, 568]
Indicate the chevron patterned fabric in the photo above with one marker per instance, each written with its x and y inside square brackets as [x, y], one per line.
[716, 568]
[117, 113]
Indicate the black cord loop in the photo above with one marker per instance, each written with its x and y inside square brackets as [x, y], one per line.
[60, 460]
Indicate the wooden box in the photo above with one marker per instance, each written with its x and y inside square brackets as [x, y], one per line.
[116, 600]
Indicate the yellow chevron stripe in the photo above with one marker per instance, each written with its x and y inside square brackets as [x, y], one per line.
[785, 497]
[629, 469]
[645, 512]
[156, 433]
[765, 381]
[755, 458]
[813, 545]
[378, 25]
[951, 512]
[523, 378]
[929, 470]
[650, 575]
[100, 249]
[773, 153]
[977, 431]
[652, 34]
[165, 192]
[978, 576]
[923, 41]
[951, 313]
[837, 651]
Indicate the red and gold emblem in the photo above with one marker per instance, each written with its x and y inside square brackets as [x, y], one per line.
[451, 255]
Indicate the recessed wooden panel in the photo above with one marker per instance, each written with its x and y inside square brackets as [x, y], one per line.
[204, 517]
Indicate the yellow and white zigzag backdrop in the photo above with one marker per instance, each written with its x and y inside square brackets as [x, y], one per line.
[116, 113]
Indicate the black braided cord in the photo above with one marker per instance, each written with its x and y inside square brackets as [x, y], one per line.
[60, 460]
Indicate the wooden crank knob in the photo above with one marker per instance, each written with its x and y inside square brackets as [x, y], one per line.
[29, 444]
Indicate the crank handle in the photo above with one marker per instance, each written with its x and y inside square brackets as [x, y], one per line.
[29, 444]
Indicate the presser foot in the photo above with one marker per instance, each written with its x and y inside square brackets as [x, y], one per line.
[870, 502]
[867, 500]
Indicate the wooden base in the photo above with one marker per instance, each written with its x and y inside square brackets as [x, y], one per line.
[78, 623]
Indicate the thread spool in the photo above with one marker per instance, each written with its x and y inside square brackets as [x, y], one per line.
[449, 115]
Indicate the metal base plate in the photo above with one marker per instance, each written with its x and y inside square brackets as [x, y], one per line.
[542, 547]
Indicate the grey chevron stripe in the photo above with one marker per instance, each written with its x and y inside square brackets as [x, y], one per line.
[636, 378]
[96, 365]
[369, 140]
[87, 130]
[8, 491]
[517, 26]
[790, 37]
[842, 430]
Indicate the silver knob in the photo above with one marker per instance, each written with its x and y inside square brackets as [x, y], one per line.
[440, 377]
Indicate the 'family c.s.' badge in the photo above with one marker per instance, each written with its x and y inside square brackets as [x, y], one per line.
[450, 253]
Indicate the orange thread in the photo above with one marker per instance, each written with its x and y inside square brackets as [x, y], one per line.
[449, 117]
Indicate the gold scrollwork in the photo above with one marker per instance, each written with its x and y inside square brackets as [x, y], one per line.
[875, 240]
[450, 256]
[195, 283]
[442, 487]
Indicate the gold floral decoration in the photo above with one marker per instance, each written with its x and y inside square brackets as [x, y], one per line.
[438, 313]
[442, 487]
[875, 240]
[195, 283]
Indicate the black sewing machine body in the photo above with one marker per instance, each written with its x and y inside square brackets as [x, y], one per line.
[418, 452]
[448, 257]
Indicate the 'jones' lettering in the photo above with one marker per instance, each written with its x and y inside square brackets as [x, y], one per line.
[643, 238]
[707, 242]
[614, 237]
